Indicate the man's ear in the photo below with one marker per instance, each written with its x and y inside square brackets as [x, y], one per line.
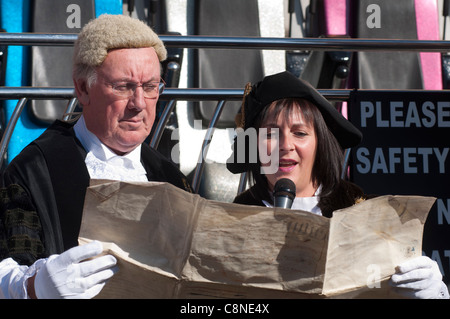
[81, 90]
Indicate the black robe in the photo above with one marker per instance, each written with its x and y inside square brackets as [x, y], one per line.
[53, 178]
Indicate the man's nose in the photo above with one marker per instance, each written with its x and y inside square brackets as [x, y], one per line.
[137, 100]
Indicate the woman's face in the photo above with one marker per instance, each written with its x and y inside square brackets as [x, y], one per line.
[296, 146]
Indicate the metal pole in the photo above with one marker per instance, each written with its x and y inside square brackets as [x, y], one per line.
[70, 108]
[206, 141]
[242, 182]
[214, 42]
[156, 138]
[9, 128]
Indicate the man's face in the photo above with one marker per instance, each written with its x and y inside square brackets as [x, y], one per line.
[121, 122]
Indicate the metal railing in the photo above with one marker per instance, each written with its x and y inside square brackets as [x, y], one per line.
[23, 94]
[259, 43]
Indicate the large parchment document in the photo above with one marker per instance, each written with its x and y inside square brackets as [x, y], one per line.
[173, 244]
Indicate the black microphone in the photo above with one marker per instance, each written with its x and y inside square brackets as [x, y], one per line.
[284, 193]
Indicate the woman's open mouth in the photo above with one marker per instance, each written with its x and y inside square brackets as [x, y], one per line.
[286, 165]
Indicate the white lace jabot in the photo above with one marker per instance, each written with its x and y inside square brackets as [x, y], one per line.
[102, 163]
[308, 204]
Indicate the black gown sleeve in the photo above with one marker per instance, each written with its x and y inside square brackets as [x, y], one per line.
[26, 234]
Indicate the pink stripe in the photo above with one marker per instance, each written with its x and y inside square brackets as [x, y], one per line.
[428, 29]
[336, 25]
[335, 17]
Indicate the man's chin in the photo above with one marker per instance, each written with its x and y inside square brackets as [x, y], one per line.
[126, 145]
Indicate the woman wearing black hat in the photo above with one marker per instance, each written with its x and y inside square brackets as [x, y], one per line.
[303, 138]
[312, 135]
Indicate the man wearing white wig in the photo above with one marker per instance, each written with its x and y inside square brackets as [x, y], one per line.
[117, 78]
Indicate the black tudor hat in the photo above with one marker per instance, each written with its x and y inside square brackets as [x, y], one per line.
[286, 85]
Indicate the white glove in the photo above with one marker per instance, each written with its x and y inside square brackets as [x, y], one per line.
[68, 276]
[419, 278]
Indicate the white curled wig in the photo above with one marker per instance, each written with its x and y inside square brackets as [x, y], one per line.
[109, 32]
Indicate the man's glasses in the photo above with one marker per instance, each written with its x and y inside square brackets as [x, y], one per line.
[127, 89]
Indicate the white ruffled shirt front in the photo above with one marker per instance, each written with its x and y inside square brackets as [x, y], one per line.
[308, 204]
[102, 163]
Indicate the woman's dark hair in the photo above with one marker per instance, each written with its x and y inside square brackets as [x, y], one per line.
[329, 159]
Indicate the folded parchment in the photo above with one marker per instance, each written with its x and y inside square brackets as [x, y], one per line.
[173, 244]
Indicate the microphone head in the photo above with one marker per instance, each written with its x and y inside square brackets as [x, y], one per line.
[284, 193]
[284, 187]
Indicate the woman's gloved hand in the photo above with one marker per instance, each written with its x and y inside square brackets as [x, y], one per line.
[71, 275]
[419, 278]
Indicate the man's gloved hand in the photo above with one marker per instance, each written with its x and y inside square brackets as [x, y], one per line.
[70, 275]
[419, 278]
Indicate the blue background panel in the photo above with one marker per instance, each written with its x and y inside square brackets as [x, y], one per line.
[15, 18]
